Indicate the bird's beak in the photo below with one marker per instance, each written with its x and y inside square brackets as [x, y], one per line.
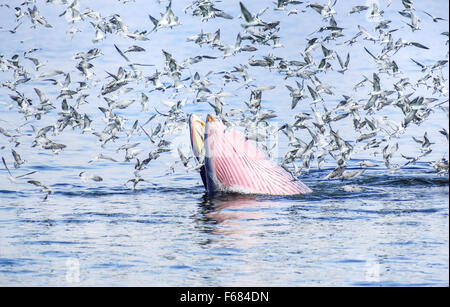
[197, 132]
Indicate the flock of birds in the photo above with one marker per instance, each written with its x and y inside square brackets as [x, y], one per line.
[378, 135]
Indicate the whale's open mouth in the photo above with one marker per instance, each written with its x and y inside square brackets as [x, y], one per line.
[234, 164]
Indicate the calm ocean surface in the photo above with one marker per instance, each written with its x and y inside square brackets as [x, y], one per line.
[382, 228]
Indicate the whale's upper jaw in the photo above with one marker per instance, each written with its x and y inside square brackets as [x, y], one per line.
[197, 134]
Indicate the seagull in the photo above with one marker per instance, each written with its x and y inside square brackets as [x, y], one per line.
[435, 19]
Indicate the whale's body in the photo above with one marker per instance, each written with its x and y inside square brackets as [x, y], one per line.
[233, 164]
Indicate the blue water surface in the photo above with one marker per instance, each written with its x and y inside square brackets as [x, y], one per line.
[382, 228]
